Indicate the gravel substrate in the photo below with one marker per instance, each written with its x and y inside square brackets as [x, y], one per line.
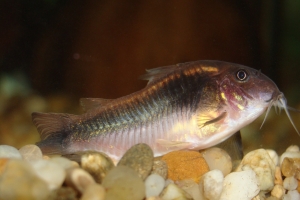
[262, 174]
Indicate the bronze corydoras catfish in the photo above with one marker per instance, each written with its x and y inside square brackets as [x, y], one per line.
[192, 105]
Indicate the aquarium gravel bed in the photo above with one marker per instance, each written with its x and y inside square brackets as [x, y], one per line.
[210, 174]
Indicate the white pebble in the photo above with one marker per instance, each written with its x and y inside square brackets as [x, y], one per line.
[273, 156]
[291, 195]
[292, 148]
[79, 179]
[64, 162]
[213, 184]
[217, 158]
[240, 185]
[168, 181]
[192, 188]
[7, 151]
[174, 192]
[154, 185]
[262, 164]
[31, 152]
[53, 174]
[290, 183]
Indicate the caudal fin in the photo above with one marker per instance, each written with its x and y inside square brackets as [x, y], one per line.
[53, 129]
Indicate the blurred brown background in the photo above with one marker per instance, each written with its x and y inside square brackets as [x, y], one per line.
[54, 52]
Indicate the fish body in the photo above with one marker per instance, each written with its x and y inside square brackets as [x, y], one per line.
[192, 105]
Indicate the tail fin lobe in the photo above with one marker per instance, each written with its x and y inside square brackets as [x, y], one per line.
[53, 129]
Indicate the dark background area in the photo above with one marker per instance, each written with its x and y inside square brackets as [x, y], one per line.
[54, 52]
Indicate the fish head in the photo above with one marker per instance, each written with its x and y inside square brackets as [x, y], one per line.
[247, 93]
[243, 86]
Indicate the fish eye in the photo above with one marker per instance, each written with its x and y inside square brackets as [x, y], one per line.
[241, 75]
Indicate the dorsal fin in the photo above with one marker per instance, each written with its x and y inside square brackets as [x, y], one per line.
[93, 103]
[156, 73]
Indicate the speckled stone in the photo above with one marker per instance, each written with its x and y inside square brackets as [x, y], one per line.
[240, 185]
[289, 154]
[291, 167]
[262, 164]
[140, 158]
[185, 165]
[97, 164]
[160, 167]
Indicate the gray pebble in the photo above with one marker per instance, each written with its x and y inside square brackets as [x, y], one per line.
[140, 158]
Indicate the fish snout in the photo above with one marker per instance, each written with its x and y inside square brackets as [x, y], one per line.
[276, 96]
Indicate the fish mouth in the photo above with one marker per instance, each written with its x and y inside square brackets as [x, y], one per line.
[279, 101]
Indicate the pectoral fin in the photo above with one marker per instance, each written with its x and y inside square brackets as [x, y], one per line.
[207, 119]
[174, 145]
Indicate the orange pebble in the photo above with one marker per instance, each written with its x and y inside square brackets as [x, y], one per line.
[185, 165]
[298, 188]
[3, 162]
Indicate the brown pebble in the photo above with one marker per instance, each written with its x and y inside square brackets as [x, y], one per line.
[278, 191]
[272, 198]
[140, 158]
[185, 165]
[160, 167]
[278, 176]
[97, 164]
[62, 193]
[291, 167]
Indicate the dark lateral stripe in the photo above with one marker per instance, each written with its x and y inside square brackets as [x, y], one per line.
[177, 92]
